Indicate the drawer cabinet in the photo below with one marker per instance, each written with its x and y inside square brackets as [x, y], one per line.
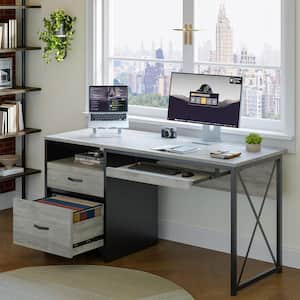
[57, 229]
[67, 175]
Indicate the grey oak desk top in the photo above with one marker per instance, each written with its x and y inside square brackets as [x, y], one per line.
[142, 142]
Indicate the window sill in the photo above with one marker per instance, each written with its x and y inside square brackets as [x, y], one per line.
[234, 135]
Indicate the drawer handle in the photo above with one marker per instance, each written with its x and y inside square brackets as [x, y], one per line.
[41, 227]
[75, 180]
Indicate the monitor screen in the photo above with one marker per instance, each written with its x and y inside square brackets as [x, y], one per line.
[108, 99]
[206, 99]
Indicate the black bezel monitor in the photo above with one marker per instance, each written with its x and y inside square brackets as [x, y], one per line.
[205, 99]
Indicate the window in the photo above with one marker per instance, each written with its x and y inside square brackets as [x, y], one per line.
[253, 39]
[143, 49]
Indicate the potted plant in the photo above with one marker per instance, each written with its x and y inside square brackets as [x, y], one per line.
[253, 142]
[57, 35]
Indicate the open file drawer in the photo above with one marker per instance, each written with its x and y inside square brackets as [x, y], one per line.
[172, 181]
[59, 225]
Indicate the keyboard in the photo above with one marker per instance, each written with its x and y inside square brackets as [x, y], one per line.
[109, 117]
[155, 168]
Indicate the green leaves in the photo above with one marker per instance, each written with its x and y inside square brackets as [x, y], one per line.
[58, 35]
[254, 139]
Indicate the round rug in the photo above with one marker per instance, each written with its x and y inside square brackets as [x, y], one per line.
[87, 283]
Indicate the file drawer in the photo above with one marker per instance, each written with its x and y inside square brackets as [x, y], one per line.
[172, 181]
[59, 225]
[67, 175]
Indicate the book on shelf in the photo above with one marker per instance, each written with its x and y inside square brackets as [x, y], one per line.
[1, 36]
[4, 42]
[15, 34]
[89, 158]
[9, 172]
[9, 33]
[11, 117]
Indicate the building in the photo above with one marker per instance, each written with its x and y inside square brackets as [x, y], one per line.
[246, 58]
[153, 73]
[224, 38]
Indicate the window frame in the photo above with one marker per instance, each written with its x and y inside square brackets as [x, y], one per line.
[284, 127]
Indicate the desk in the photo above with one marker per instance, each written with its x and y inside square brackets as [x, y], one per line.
[131, 205]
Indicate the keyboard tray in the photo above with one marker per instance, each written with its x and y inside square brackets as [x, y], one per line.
[172, 181]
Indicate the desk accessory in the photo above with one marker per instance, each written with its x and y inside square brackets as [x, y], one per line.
[225, 154]
[187, 174]
[169, 133]
[8, 161]
[253, 142]
[6, 69]
[178, 149]
[108, 108]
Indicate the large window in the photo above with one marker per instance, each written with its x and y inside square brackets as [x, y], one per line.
[143, 50]
[140, 48]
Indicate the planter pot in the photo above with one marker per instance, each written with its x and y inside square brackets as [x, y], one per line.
[253, 147]
[61, 32]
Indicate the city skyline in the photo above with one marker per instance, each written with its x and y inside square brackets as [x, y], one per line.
[149, 82]
[250, 29]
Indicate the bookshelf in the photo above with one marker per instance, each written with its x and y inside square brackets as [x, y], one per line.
[19, 92]
[22, 6]
[26, 131]
[27, 172]
[9, 50]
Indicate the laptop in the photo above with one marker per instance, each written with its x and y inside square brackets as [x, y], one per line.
[108, 107]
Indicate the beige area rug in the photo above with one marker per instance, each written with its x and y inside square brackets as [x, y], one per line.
[86, 283]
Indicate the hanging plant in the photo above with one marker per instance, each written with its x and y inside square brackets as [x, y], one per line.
[58, 35]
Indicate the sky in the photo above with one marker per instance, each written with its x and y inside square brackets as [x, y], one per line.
[254, 22]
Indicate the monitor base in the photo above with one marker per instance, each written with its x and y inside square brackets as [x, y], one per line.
[211, 134]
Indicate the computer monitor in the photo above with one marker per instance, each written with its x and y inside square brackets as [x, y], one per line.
[108, 107]
[205, 99]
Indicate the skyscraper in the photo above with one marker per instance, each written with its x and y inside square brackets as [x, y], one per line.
[153, 73]
[224, 36]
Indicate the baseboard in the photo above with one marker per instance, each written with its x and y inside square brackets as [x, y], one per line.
[220, 241]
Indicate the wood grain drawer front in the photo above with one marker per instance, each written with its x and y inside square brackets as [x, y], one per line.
[79, 179]
[51, 229]
[176, 181]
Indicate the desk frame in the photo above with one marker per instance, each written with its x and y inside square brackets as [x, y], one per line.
[235, 177]
[112, 250]
[236, 280]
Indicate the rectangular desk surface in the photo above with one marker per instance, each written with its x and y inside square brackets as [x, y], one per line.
[142, 143]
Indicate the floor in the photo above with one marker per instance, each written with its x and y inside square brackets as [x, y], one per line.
[204, 273]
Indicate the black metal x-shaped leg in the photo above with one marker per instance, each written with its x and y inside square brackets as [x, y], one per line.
[236, 281]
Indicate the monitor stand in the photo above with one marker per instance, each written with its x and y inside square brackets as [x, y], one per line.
[106, 132]
[210, 135]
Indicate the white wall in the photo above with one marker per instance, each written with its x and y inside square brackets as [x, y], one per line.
[198, 217]
[60, 105]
